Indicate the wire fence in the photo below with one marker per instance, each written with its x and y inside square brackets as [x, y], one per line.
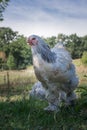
[16, 82]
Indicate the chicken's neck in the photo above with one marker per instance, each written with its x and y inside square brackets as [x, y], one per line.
[45, 52]
[48, 56]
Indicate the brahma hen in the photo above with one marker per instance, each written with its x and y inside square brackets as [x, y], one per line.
[55, 70]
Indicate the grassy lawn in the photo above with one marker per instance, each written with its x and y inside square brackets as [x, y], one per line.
[19, 112]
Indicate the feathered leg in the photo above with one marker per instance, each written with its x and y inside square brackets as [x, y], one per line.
[70, 99]
[53, 100]
[70, 87]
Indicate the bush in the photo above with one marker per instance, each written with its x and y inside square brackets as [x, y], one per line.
[11, 62]
[84, 58]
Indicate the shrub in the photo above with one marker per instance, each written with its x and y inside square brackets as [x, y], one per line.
[11, 63]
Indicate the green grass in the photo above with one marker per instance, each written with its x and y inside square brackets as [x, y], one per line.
[19, 112]
[28, 114]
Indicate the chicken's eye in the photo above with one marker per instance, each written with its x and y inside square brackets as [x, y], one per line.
[33, 38]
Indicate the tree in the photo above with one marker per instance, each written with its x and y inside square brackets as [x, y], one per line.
[12, 43]
[21, 52]
[7, 35]
[61, 37]
[74, 45]
[11, 62]
[51, 41]
[3, 5]
[84, 45]
[1, 64]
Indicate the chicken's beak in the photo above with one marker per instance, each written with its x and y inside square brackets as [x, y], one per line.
[29, 41]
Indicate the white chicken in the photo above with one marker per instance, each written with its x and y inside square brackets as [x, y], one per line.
[55, 70]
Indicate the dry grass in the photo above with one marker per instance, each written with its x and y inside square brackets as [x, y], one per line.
[17, 76]
[16, 82]
[81, 71]
[20, 79]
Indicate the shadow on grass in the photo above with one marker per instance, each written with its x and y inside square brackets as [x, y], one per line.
[14, 90]
[28, 114]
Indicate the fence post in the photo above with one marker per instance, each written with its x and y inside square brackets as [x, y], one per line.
[5, 79]
[8, 83]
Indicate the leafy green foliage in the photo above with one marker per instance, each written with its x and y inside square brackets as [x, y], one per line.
[12, 43]
[50, 40]
[76, 45]
[7, 36]
[3, 5]
[21, 52]
[1, 61]
[61, 37]
[11, 63]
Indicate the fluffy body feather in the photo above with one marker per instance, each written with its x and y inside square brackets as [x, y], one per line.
[55, 70]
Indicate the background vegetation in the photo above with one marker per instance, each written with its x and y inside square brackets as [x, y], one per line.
[18, 53]
[3, 5]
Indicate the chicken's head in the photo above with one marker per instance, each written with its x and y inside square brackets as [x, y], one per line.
[38, 46]
[33, 40]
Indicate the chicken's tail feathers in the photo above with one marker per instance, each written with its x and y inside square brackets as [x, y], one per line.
[59, 45]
